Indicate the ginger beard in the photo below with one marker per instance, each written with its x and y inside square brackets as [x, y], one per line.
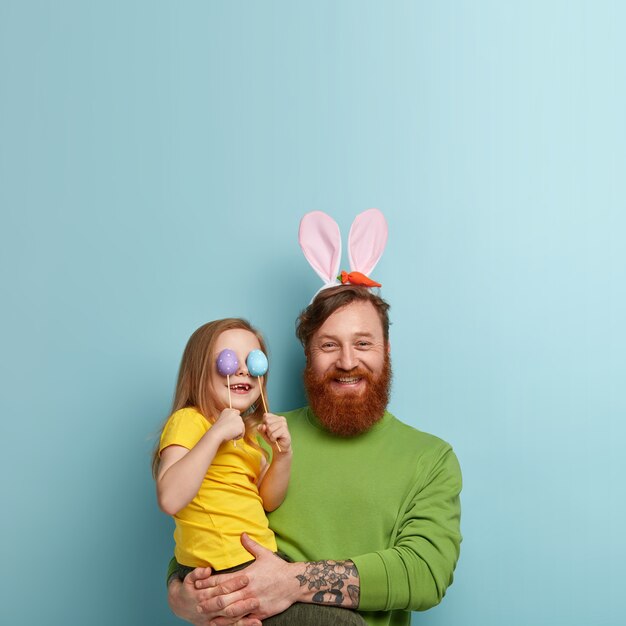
[348, 414]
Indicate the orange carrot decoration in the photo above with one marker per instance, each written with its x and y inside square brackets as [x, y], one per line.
[356, 278]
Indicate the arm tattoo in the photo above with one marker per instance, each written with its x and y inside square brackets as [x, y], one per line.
[328, 579]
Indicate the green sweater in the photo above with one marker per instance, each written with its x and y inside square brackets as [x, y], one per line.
[387, 499]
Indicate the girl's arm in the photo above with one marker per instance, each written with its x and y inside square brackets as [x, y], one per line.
[275, 478]
[181, 471]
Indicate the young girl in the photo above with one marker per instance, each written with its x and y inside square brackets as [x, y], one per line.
[211, 474]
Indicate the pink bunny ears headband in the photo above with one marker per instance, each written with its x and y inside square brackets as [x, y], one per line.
[320, 240]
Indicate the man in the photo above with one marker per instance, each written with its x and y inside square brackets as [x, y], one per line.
[371, 519]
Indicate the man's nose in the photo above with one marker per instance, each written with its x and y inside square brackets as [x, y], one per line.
[347, 359]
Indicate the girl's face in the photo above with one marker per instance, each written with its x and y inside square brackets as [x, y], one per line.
[244, 388]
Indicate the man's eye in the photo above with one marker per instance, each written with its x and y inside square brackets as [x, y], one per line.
[363, 344]
[328, 345]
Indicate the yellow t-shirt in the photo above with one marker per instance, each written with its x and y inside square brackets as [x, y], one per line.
[208, 529]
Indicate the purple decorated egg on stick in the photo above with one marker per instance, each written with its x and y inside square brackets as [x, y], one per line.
[227, 363]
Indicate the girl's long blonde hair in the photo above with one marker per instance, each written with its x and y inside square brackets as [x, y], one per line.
[194, 388]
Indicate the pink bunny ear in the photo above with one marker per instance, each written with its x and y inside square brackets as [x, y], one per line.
[367, 240]
[320, 240]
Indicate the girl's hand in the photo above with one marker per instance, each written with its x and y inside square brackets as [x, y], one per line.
[230, 425]
[274, 430]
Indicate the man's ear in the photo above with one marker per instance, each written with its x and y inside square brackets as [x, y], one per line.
[388, 347]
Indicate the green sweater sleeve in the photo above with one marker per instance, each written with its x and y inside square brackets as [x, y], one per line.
[414, 574]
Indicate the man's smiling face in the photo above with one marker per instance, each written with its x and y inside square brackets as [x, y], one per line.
[351, 346]
[349, 372]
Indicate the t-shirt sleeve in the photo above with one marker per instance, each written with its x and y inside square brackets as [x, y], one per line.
[184, 428]
[414, 574]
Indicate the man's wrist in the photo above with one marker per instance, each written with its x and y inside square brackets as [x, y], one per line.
[327, 582]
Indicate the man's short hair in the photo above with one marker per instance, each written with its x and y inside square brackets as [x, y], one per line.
[329, 300]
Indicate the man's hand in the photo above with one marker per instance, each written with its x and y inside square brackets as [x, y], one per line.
[270, 584]
[228, 601]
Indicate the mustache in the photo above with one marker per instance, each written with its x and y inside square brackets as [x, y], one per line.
[337, 373]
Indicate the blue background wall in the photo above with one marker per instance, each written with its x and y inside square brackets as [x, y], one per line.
[155, 159]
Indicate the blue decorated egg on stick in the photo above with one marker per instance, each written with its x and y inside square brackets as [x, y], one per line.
[257, 363]
[257, 366]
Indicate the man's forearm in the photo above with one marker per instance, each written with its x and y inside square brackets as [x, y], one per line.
[328, 582]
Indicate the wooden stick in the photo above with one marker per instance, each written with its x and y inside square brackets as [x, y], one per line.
[265, 407]
[230, 400]
[262, 396]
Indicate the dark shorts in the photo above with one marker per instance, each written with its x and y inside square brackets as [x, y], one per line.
[180, 571]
